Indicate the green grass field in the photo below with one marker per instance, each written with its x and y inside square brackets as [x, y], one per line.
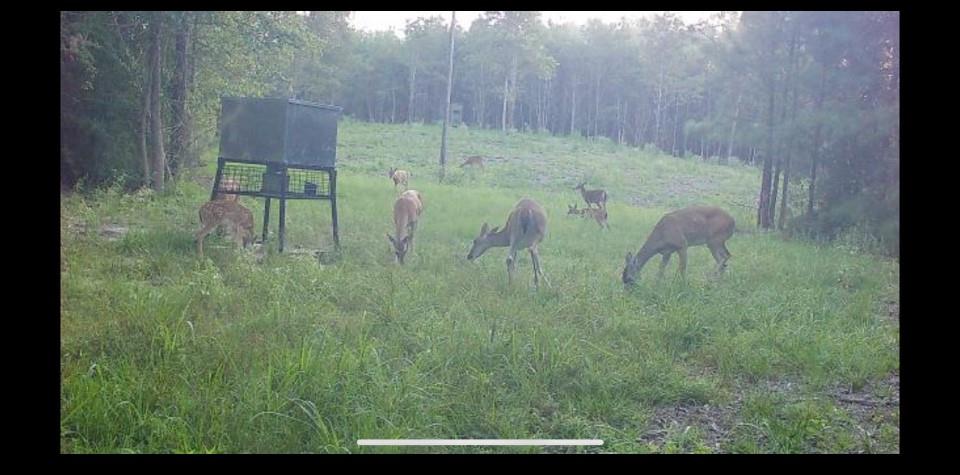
[796, 349]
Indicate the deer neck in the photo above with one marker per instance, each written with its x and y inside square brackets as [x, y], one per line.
[646, 253]
[500, 238]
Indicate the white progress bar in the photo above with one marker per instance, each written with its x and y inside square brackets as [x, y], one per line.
[541, 442]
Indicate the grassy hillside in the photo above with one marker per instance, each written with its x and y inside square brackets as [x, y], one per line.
[796, 349]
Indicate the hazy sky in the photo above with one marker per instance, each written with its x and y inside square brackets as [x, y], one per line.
[372, 21]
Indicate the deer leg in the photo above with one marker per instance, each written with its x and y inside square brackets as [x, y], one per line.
[201, 235]
[725, 254]
[719, 256]
[663, 263]
[413, 227]
[537, 267]
[682, 253]
[511, 264]
[717, 253]
[537, 270]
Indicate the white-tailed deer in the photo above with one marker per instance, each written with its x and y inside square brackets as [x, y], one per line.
[214, 214]
[398, 177]
[572, 209]
[228, 184]
[593, 196]
[525, 229]
[406, 213]
[598, 214]
[475, 160]
[678, 230]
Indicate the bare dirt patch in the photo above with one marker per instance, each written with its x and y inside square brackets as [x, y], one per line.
[875, 404]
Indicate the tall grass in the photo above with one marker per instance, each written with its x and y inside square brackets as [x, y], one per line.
[164, 352]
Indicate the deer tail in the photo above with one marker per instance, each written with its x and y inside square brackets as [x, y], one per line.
[526, 220]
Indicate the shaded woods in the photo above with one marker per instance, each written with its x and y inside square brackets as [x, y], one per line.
[812, 98]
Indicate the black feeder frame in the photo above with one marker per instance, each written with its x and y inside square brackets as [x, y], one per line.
[279, 148]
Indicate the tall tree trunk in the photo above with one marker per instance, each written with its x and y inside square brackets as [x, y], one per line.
[683, 131]
[786, 164]
[413, 90]
[773, 191]
[763, 216]
[676, 122]
[514, 66]
[596, 104]
[573, 105]
[145, 124]
[816, 141]
[506, 94]
[482, 113]
[656, 129]
[446, 115]
[180, 142]
[156, 126]
[733, 129]
[781, 140]
[621, 112]
[393, 106]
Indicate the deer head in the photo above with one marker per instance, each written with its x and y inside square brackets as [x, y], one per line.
[400, 247]
[482, 242]
[630, 268]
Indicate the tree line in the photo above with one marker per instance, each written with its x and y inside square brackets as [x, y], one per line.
[811, 98]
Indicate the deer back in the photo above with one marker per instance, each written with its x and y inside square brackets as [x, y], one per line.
[527, 223]
[405, 212]
[694, 225]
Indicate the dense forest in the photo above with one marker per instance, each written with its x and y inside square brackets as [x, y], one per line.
[811, 98]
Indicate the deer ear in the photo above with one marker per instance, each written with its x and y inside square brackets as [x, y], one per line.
[484, 229]
[391, 239]
[495, 229]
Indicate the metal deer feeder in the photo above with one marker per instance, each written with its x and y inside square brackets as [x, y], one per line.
[278, 148]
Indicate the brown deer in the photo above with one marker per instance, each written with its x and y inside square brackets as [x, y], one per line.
[398, 177]
[593, 196]
[228, 184]
[678, 230]
[406, 213]
[214, 214]
[525, 229]
[572, 209]
[598, 214]
[475, 160]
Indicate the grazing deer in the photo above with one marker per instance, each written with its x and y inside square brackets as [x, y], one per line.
[228, 184]
[406, 213]
[474, 160]
[572, 209]
[525, 229]
[214, 214]
[398, 176]
[678, 230]
[598, 214]
[593, 196]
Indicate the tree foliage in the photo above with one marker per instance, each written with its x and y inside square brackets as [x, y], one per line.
[812, 97]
